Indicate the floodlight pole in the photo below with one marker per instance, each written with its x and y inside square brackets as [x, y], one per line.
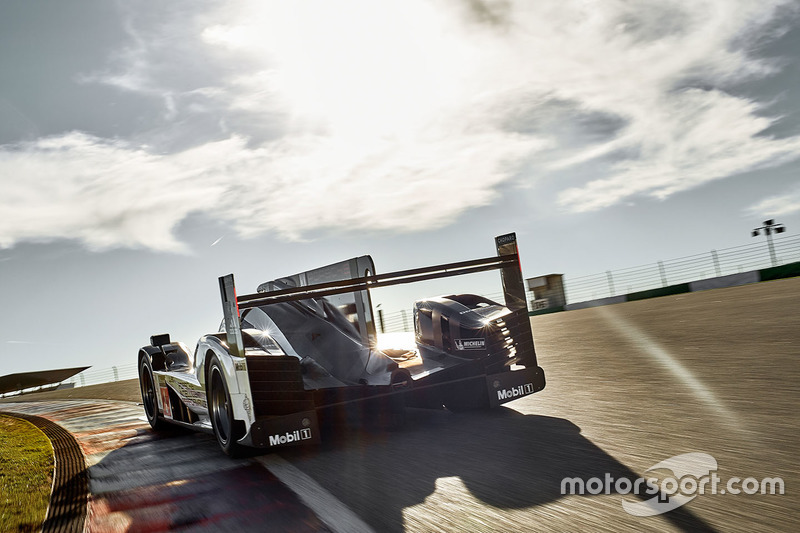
[769, 227]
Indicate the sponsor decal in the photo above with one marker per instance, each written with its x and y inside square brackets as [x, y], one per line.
[515, 392]
[240, 365]
[246, 405]
[290, 436]
[470, 344]
[190, 395]
[505, 239]
[165, 405]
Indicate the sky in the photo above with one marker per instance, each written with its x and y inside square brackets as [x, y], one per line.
[147, 148]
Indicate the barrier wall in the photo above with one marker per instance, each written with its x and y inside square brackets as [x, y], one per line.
[733, 280]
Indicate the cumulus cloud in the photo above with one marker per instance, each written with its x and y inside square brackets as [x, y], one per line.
[104, 193]
[701, 136]
[110, 194]
[289, 118]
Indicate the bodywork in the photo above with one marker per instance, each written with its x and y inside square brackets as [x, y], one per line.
[303, 351]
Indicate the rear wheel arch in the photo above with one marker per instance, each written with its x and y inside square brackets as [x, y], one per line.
[154, 355]
[220, 408]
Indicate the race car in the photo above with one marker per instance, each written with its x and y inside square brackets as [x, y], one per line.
[303, 352]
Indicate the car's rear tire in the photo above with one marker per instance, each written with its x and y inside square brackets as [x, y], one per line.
[220, 410]
[147, 385]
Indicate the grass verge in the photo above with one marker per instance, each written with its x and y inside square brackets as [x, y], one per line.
[26, 475]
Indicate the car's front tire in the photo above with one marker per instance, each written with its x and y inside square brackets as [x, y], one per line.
[220, 410]
[147, 385]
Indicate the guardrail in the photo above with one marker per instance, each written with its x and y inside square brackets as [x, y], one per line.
[90, 376]
[95, 376]
[712, 264]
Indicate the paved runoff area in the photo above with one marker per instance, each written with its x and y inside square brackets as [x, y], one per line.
[141, 481]
[634, 391]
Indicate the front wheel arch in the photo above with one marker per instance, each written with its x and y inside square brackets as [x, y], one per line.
[149, 391]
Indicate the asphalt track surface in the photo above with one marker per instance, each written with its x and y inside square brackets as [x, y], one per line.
[629, 385]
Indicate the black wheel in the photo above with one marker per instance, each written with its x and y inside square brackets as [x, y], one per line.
[471, 395]
[220, 410]
[147, 384]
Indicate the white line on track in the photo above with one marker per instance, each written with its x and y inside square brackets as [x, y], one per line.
[331, 511]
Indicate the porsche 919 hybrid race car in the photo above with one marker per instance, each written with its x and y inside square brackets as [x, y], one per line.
[302, 352]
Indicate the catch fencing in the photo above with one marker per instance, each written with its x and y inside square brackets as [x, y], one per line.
[716, 263]
[90, 376]
[93, 376]
[712, 264]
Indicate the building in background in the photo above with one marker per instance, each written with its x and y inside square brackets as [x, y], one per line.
[547, 291]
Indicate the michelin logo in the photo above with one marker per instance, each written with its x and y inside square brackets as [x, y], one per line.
[290, 436]
[515, 392]
[470, 344]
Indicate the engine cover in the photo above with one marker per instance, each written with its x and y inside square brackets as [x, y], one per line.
[465, 326]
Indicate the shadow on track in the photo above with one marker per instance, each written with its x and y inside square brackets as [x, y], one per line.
[507, 460]
[173, 479]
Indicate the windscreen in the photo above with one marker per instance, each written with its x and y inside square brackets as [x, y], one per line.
[355, 307]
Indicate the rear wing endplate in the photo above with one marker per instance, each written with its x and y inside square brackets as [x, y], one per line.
[230, 309]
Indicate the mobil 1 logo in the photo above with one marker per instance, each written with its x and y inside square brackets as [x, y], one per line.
[290, 437]
[515, 392]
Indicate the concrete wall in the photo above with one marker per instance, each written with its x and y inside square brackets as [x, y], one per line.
[733, 280]
[597, 303]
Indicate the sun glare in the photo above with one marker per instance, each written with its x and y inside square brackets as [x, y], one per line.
[357, 68]
[668, 361]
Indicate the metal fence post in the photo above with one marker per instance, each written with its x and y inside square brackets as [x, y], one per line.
[380, 320]
[610, 282]
[116, 373]
[715, 258]
[771, 247]
[663, 273]
[405, 320]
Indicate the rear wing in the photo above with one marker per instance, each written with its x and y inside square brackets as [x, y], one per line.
[507, 261]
